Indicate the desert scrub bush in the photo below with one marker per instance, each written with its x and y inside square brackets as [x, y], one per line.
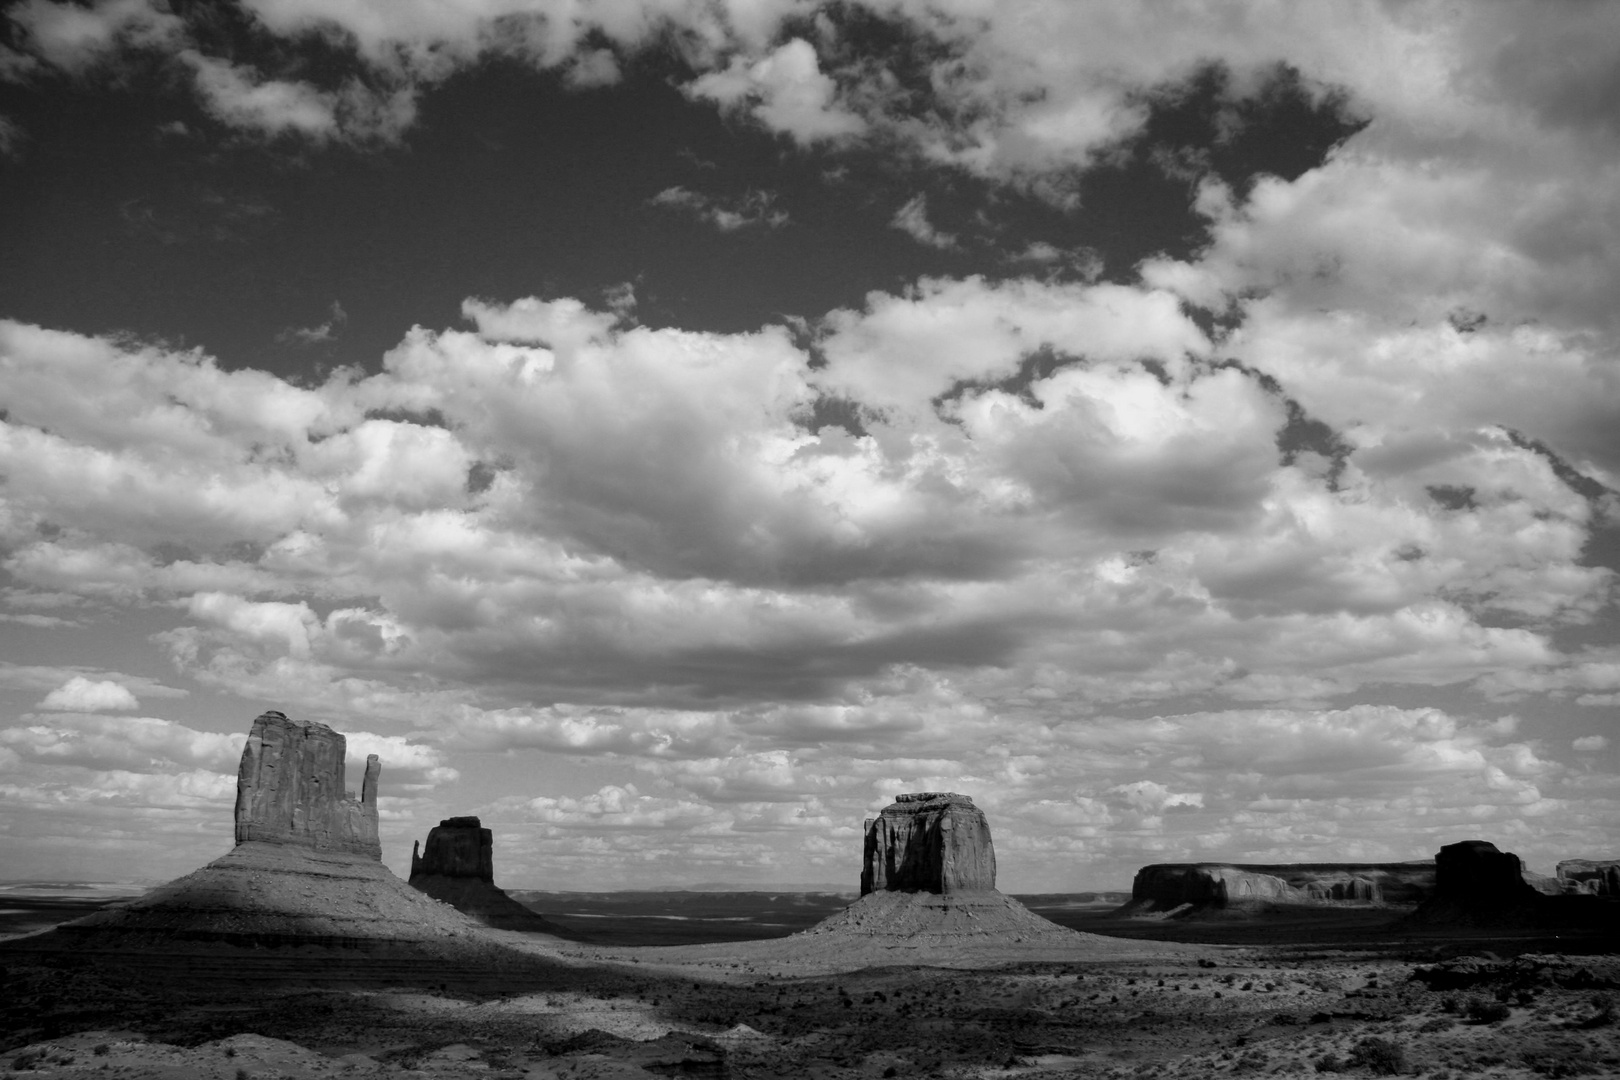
[1330, 1063]
[1602, 1012]
[101, 1050]
[1487, 1012]
[1384, 1057]
[1449, 1004]
[1431, 1026]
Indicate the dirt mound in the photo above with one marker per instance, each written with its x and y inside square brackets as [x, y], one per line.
[280, 913]
[262, 893]
[487, 904]
[937, 919]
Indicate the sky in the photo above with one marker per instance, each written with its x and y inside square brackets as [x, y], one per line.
[668, 429]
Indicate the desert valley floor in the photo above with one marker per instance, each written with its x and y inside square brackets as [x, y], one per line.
[1271, 992]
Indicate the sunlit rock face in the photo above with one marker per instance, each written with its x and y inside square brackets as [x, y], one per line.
[290, 789]
[457, 847]
[1590, 876]
[931, 841]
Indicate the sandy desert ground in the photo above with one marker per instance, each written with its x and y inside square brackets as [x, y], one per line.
[1307, 996]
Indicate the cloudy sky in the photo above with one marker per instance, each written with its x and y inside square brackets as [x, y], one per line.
[669, 428]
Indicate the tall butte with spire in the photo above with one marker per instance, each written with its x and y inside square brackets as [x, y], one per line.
[306, 871]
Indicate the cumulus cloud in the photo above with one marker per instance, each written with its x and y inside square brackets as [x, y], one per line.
[239, 98]
[79, 694]
[786, 91]
[73, 36]
[1147, 541]
[912, 219]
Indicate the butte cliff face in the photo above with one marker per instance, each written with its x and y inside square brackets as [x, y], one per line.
[290, 789]
[936, 842]
[457, 866]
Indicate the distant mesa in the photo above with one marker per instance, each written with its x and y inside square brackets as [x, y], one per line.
[457, 866]
[1591, 877]
[1187, 889]
[306, 872]
[1478, 884]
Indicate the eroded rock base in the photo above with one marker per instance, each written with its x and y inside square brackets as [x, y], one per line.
[486, 904]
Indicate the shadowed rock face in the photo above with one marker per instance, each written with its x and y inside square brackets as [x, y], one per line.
[289, 789]
[1476, 874]
[457, 866]
[1479, 885]
[1590, 876]
[936, 842]
[457, 847]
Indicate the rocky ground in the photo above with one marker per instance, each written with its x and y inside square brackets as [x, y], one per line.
[1127, 1010]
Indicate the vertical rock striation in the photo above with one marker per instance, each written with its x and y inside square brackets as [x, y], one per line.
[931, 841]
[289, 789]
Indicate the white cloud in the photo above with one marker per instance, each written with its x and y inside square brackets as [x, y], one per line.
[73, 37]
[1590, 744]
[786, 91]
[912, 219]
[79, 694]
[727, 215]
[238, 97]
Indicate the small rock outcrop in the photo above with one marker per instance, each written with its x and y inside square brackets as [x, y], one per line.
[1591, 877]
[457, 866]
[290, 790]
[931, 841]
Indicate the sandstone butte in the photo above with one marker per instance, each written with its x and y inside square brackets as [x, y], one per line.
[306, 872]
[457, 866]
[929, 878]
